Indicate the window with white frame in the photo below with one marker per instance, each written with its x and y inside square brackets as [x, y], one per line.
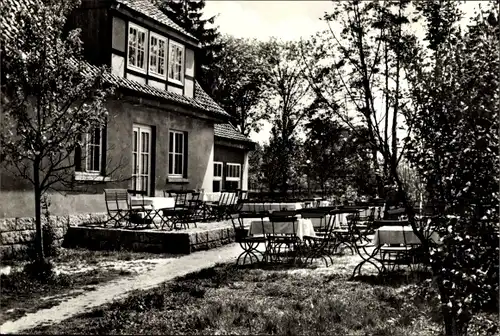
[157, 55]
[137, 42]
[93, 151]
[176, 62]
[233, 175]
[217, 182]
[176, 154]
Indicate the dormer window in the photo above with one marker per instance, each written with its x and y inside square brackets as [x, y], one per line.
[157, 55]
[176, 62]
[137, 48]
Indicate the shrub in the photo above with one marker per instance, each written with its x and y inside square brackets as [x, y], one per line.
[42, 271]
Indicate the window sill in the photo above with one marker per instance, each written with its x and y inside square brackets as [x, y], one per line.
[157, 75]
[91, 177]
[175, 81]
[177, 179]
[136, 68]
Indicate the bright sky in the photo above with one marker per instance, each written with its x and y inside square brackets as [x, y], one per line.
[288, 20]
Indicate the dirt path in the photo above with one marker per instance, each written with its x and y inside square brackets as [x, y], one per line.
[163, 271]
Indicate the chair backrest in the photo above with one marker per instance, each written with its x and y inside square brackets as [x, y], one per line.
[237, 221]
[224, 198]
[193, 202]
[117, 199]
[329, 225]
[316, 213]
[136, 192]
[286, 216]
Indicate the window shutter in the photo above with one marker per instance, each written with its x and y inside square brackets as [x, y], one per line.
[185, 168]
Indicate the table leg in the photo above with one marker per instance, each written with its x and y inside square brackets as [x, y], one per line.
[370, 259]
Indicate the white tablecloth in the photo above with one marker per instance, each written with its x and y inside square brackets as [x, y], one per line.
[257, 207]
[211, 196]
[340, 219]
[303, 227]
[155, 202]
[398, 235]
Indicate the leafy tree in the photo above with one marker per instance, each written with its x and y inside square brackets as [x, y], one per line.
[454, 147]
[338, 157]
[289, 103]
[255, 175]
[50, 96]
[451, 121]
[239, 78]
[188, 15]
[344, 68]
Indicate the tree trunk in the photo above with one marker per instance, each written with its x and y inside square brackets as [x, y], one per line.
[38, 212]
[396, 102]
[386, 119]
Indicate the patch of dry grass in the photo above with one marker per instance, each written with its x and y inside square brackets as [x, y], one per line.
[230, 300]
[76, 271]
[22, 294]
[227, 299]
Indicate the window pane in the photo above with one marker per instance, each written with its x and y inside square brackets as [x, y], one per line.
[171, 142]
[161, 66]
[140, 59]
[179, 143]
[96, 158]
[178, 164]
[170, 163]
[216, 186]
[135, 142]
[134, 162]
[132, 39]
[144, 167]
[96, 137]
[145, 142]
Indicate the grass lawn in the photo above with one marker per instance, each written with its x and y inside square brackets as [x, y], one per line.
[296, 301]
[77, 271]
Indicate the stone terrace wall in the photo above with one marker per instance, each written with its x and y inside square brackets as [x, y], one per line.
[17, 234]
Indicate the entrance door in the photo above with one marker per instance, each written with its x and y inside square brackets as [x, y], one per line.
[141, 158]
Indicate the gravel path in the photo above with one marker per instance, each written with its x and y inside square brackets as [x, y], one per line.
[117, 289]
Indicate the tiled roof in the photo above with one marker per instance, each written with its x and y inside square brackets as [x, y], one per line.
[200, 101]
[8, 11]
[145, 7]
[228, 131]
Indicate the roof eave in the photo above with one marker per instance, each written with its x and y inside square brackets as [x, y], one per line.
[155, 101]
[223, 141]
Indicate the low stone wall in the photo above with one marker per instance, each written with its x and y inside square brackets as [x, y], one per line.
[176, 242]
[17, 234]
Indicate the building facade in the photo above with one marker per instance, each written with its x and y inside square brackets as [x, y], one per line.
[163, 131]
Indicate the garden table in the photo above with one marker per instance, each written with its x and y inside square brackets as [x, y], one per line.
[150, 207]
[259, 207]
[389, 235]
[303, 227]
[156, 202]
[392, 235]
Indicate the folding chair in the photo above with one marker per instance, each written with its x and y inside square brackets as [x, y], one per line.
[248, 243]
[320, 246]
[283, 245]
[117, 205]
[142, 213]
[393, 256]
